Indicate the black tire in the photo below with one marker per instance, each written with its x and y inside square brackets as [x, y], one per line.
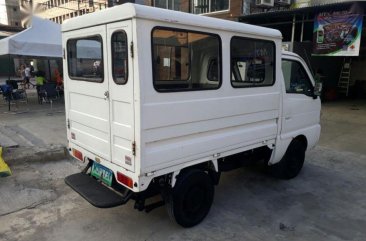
[191, 198]
[291, 163]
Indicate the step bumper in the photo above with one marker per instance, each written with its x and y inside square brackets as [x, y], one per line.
[96, 193]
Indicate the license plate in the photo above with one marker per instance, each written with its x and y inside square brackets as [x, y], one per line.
[102, 173]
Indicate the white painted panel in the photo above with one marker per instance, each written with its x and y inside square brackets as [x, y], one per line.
[169, 150]
[122, 103]
[89, 105]
[121, 148]
[87, 108]
[172, 113]
[94, 140]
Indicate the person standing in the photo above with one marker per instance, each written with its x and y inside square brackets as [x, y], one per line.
[27, 76]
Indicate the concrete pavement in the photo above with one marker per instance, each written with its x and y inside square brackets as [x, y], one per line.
[31, 131]
[325, 202]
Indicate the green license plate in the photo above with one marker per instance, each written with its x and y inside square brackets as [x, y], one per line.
[102, 173]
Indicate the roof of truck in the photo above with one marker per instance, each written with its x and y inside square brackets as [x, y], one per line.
[129, 10]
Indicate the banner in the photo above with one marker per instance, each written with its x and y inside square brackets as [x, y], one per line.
[337, 34]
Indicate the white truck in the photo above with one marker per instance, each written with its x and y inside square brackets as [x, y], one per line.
[160, 102]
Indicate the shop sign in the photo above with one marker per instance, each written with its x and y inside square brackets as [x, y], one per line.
[337, 33]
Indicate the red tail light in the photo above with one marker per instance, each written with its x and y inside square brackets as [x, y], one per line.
[77, 154]
[125, 179]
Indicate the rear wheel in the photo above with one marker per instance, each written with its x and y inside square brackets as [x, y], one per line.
[191, 198]
[291, 163]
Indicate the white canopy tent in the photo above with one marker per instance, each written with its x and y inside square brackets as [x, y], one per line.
[42, 39]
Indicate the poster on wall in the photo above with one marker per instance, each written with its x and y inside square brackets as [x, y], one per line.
[337, 34]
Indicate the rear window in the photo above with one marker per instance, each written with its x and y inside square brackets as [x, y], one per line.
[185, 60]
[85, 59]
[119, 57]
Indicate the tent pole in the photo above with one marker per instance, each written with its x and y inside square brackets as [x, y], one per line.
[9, 82]
[49, 69]
[9, 66]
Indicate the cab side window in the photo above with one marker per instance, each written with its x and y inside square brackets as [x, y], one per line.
[296, 79]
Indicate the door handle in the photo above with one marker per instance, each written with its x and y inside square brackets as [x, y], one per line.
[106, 95]
[288, 118]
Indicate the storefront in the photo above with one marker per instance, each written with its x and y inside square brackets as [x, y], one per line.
[330, 37]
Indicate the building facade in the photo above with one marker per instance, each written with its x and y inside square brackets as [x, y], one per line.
[60, 10]
[225, 9]
[10, 13]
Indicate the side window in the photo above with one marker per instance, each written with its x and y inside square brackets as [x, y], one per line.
[252, 62]
[296, 79]
[85, 59]
[178, 56]
[119, 57]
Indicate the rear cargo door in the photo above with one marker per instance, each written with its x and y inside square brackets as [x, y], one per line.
[87, 90]
[120, 75]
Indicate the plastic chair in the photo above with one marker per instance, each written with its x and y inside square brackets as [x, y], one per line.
[49, 92]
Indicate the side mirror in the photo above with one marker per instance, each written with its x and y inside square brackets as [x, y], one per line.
[318, 89]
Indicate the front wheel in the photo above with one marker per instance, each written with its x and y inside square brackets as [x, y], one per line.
[291, 163]
[191, 198]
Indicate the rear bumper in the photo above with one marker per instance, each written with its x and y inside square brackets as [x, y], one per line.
[96, 193]
[90, 156]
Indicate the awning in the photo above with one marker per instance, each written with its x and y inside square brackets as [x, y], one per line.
[42, 39]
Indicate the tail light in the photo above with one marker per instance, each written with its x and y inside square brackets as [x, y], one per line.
[77, 154]
[125, 179]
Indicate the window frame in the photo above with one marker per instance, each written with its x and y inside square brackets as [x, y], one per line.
[307, 74]
[188, 31]
[112, 55]
[274, 61]
[166, 5]
[102, 59]
[209, 9]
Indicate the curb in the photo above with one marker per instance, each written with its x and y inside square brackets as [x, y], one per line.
[22, 155]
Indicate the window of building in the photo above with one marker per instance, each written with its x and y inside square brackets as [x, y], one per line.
[169, 4]
[119, 57]
[252, 62]
[85, 59]
[181, 60]
[209, 6]
[297, 81]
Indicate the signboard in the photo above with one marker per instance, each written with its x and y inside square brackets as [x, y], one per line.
[337, 34]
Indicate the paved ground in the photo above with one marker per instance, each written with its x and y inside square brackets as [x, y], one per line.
[30, 130]
[33, 124]
[344, 126]
[325, 202]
